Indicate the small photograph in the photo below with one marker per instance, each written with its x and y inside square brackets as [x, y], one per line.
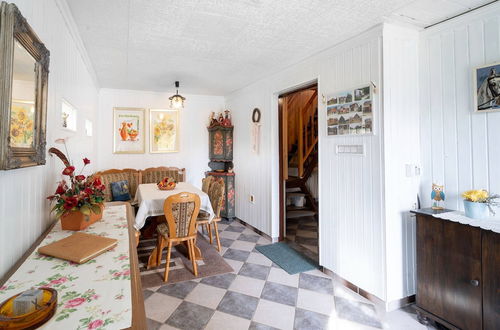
[367, 107]
[333, 121]
[331, 101]
[344, 109]
[355, 107]
[343, 120]
[333, 130]
[345, 97]
[362, 93]
[356, 129]
[356, 119]
[368, 123]
[331, 111]
[343, 130]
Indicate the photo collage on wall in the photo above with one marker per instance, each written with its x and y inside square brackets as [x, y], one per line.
[350, 112]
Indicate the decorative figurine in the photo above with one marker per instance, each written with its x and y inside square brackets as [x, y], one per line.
[227, 119]
[437, 195]
[211, 119]
[221, 118]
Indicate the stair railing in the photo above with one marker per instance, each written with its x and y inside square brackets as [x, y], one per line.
[308, 131]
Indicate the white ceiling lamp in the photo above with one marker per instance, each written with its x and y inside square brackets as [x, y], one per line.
[177, 100]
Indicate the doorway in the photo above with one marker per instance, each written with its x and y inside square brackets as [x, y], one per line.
[298, 179]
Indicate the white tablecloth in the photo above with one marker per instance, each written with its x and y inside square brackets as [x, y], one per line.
[492, 223]
[93, 295]
[150, 200]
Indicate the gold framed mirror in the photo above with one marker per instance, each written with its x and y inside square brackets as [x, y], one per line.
[24, 71]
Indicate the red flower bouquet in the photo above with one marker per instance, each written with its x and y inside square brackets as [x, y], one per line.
[79, 193]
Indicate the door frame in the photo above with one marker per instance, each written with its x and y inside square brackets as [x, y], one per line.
[281, 176]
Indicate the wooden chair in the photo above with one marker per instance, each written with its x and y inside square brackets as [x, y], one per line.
[206, 182]
[181, 211]
[216, 195]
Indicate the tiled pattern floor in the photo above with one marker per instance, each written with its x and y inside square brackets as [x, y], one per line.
[260, 295]
[304, 232]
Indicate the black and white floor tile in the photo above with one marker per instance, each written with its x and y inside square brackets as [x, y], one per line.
[260, 295]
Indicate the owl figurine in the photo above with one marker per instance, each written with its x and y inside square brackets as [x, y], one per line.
[437, 196]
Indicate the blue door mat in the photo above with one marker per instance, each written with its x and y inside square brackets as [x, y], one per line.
[287, 258]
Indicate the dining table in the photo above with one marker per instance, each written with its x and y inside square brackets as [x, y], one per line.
[150, 199]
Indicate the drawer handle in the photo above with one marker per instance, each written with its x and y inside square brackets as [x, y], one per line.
[474, 282]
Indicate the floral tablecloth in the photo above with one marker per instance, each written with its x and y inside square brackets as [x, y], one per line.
[150, 200]
[94, 295]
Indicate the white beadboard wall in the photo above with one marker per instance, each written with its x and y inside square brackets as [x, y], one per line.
[459, 148]
[24, 211]
[193, 154]
[350, 187]
[401, 148]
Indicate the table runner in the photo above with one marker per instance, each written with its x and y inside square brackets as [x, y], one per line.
[150, 200]
[492, 223]
[94, 295]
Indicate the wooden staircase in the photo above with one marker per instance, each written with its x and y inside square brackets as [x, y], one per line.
[302, 142]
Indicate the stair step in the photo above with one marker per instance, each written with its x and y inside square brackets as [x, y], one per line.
[295, 194]
[299, 213]
[296, 208]
[292, 190]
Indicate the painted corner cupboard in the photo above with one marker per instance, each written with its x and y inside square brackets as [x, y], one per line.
[458, 273]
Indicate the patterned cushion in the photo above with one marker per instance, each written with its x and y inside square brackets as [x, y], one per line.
[206, 182]
[216, 196]
[120, 190]
[182, 213]
[131, 177]
[203, 215]
[155, 176]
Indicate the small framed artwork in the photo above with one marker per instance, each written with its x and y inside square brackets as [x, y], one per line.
[163, 130]
[22, 124]
[350, 112]
[128, 131]
[486, 82]
[68, 116]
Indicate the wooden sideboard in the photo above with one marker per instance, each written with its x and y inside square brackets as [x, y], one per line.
[458, 273]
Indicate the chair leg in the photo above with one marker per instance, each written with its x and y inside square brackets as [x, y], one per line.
[167, 265]
[159, 249]
[216, 228]
[193, 257]
[209, 232]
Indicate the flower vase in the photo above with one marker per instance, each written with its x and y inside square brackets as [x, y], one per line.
[476, 210]
[76, 220]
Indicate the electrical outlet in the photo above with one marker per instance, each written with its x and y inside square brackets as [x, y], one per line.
[251, 199]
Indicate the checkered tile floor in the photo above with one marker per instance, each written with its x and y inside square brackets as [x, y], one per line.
[260, 295]
[303, 231]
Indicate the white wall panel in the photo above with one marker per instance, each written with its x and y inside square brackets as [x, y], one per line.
[350, 187]
[193, 148]
[459, 148]
[24, 211]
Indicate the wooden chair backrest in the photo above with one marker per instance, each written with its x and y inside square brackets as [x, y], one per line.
[181, 211]
[216, 196]
[114, 175]
[205, 183]
[156, 174]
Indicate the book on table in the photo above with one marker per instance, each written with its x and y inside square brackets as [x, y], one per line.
[79, 247]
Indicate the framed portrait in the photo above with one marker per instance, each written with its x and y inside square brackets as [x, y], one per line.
[163, 130]
[486, 82]
[128, 131]
[24, 74]
[350, 112]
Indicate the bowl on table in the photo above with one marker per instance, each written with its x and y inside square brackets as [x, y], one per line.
[166, 184]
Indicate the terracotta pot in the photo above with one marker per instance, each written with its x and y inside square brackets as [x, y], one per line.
[76, 220]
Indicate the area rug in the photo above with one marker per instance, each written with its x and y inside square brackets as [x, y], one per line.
[180, 266]
[287, 258]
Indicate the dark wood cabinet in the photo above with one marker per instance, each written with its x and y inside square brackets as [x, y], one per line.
[458, 273]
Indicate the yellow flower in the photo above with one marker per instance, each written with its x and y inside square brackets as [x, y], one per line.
[21, 114]
[475, 195]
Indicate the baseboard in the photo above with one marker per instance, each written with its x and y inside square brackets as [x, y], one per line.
[387, 306]
[261, 233]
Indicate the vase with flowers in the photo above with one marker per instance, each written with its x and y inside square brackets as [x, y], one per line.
[79, 199]
[479, 203]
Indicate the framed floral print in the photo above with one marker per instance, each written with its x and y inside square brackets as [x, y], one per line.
[128, 131]
[24, 71]
[163, 130]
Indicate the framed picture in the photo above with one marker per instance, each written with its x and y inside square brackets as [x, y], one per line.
[486, 82]
[24, 74]
[163, 130]
[350, 112]
[128, 131]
